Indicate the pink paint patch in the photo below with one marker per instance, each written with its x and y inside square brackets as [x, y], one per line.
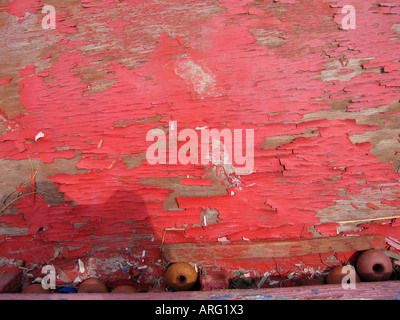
[5, 81]
[28, 71]
[18, 8]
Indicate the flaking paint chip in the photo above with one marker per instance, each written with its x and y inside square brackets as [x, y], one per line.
[39, 135]
[224, 240]
[372, 206]
[81, 266]
[209, 217]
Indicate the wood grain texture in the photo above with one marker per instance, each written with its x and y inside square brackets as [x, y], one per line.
[208, 252]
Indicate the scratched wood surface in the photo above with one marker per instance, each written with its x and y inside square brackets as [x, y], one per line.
[77, 101]
[209, 252]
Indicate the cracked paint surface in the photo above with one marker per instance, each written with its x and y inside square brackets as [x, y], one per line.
[323, 103]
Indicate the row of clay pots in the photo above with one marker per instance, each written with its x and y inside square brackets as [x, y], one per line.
[371, 265]
[96, 286]
[179, 276]
[87, 286]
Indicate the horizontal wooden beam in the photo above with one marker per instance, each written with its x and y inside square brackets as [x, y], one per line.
[206, 252]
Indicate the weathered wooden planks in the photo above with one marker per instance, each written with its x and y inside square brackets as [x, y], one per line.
[364, 290]
[322, 101]
[201, 252]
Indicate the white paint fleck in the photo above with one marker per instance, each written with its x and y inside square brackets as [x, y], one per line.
[81, 266]
[39, 135]
[197, 76]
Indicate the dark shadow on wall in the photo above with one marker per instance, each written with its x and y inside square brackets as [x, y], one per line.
[111, 229]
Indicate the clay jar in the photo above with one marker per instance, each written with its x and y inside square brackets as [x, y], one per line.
[92, 286]
[337, 274]
[125, 288]
[181, 276]
[374, 265]
[35, 288]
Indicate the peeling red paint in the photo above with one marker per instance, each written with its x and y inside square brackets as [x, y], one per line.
[322, 102]
[18, 8]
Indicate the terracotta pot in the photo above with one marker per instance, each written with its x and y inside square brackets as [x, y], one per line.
[181, 276]
[35, 288]
[374, 265]
[125, 288]
[337, 274]
[92, 286]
